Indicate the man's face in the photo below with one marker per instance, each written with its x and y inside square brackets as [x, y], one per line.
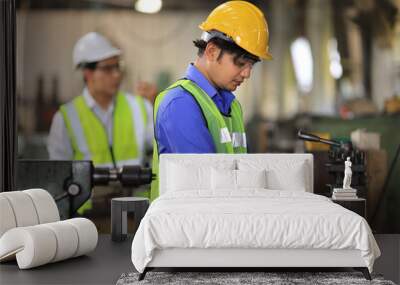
[228, 73]
[106, 77]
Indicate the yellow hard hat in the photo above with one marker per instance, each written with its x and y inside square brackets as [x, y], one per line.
[244, 23]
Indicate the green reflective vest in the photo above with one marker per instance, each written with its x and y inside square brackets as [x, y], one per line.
[227, 132]
[89, 138]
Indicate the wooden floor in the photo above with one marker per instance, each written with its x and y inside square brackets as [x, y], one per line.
[110, 259]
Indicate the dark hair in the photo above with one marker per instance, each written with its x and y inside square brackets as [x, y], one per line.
[88, 65]
[225, 46]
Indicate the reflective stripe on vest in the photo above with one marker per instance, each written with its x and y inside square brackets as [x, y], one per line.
[89, 138]
[227, 131]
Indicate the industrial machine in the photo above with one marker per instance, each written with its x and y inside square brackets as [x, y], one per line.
[338, 153]
[71, 182]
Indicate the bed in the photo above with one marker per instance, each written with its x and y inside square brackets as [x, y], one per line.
[250, 210]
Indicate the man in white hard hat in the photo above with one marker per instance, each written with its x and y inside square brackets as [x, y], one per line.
[103, 124]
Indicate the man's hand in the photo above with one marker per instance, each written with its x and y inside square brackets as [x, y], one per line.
[147, 90]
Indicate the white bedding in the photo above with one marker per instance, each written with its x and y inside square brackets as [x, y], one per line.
[252, 218]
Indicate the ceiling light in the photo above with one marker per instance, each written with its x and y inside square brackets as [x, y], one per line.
[148, 6]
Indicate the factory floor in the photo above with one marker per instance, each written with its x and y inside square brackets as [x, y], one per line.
[111, 259]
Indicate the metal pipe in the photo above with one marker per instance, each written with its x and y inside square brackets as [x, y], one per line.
[313, 138]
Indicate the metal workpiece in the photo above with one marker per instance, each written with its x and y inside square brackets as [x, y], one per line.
[101, 176]
[135, 175]
[128, 175]
[120, 207]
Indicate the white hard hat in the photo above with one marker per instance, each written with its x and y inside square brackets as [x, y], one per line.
[93, 47]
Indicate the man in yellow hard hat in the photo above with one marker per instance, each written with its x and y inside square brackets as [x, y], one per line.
[199, 114]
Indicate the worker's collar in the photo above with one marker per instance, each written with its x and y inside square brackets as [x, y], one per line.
[91, 102]
[195, 75]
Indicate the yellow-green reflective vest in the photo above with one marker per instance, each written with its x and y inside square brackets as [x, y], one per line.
[227, 132]
[89, 138]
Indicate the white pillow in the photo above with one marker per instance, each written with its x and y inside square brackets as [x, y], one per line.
[223, 179]
[185, 174]
[292, 181]
[183, 177]
[251, 178]
[280, 174]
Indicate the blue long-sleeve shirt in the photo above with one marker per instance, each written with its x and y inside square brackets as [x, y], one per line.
[180, 126]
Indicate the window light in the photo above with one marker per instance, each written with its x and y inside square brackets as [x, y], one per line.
[303, 63]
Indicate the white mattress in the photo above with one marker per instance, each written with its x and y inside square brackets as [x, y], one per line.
[252, 218]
